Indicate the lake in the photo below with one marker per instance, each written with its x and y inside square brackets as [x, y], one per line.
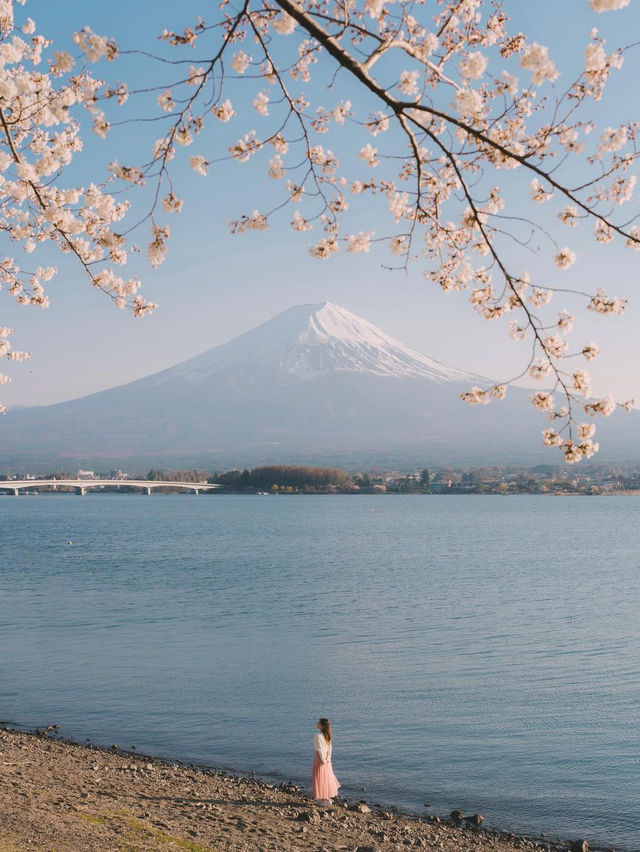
[480, 652]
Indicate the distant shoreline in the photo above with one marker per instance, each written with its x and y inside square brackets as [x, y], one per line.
[448, 493]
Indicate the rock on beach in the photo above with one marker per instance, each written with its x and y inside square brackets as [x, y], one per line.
[64, 796]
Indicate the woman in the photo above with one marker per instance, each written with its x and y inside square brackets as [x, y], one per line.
[324, 783]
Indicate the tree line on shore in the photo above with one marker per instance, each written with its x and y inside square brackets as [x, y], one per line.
[306, 479]
[285, 478]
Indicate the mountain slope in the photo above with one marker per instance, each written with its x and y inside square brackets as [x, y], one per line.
[315, 384]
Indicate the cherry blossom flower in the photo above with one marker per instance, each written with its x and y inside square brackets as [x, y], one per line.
[608, 5]
[408, 83]
[475, 396]
[473, 66]
[369, 154]
[359, 242]
[240, 62]
[223, 111]
[536, 59]
[564, 258]
[199, 164]
[284, 24]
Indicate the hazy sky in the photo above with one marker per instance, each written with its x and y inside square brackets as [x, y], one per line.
[213, 286]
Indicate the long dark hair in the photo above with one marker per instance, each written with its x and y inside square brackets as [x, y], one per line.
[325, 727]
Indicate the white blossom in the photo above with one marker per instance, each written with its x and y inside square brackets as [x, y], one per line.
[551, 438]
[590, 351]
[565, 322]
[536, 59]
[542, 400]
[475, 396]
[340, 112]
[581, 382]
[276, 169]
[586, 431]
[538, 193]
[369, 154]
[564, 258]
[284, 24]
[374, 8]
[601, 303]
[6, 16]
[555, 345]
[377, 123]
[299, 223]
[165, 101]
[94, 46]
[613, 139]
[199, 164]
[595, 59]
[470, 103]
[261, 103]
[540, 369]
[240, 61]
[357, 243]
[62, 62]
[195, 76]
[171, 204]
[605, 406]
[224, 111]
[608, 5]
[408, 82]
[399, 245]
[324, 249]
[473, 66]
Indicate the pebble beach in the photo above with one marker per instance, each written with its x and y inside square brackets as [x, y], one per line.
[59, 795]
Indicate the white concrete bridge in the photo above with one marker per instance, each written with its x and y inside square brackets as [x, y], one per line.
[14, 486]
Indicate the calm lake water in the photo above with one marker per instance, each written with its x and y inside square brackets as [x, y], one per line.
[473, 652]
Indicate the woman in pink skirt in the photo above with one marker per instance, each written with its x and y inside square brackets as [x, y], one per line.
[323, 782]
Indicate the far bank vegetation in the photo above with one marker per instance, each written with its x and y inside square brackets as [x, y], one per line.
[286, 479]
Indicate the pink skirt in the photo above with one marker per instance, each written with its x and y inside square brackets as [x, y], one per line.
[323, 782]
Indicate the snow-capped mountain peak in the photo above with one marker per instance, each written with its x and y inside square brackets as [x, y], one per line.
[309, 340]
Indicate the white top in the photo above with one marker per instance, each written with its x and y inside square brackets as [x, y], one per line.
[323, 748]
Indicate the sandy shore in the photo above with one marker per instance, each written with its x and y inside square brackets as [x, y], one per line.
[62, 796]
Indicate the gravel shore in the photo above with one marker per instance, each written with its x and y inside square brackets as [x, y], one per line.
[59, 796]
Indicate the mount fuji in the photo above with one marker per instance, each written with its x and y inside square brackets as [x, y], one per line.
[315, 384]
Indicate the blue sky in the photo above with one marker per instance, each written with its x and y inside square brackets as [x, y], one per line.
[213, 287]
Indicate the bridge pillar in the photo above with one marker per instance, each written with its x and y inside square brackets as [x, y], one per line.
[197, 491]
[81, 490]
[15, 492]
[147, 491]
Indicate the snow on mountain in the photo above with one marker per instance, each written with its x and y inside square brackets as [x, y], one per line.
[310, 340]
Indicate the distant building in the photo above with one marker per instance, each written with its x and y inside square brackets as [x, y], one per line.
[86, 474]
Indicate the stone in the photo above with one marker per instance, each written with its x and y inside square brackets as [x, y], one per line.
[579, 846]
[361, 808]
[456, 815]
[311, 816]
[474, 819]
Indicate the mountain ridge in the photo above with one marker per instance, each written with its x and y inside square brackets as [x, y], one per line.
[316, 384]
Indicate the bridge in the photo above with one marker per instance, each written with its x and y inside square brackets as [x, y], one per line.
[81, 486]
